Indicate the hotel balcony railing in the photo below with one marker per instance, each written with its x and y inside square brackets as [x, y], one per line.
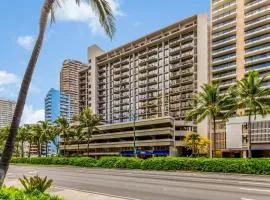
[188, 54]
[224, 67]
[222, 59]
[186, 64]
[186, 89]
[125, 61]
[224, 25]
[228, 83]
[224, 15]
[225, 6]
[224, 32]
[124, 89]
[175, 67]
[264, 18]
[116, 64]
[143, 76]
[258, 49]
[261, 38]
[229, 74]
[175, 90]
[152, 66]
[224, 41]
[254, 2]
[174, 75]
[257, 11]
[186, 96]
[187, 79]
[224, 50]
[187, 38]
[174, 99]
[152, 73]
[187, 46]
[174, 43]
[152, 81]
[261, 57]
[175, 50]
[175, 83]
[187, 71]
[257, 30]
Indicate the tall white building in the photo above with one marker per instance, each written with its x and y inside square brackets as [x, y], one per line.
[7, 108]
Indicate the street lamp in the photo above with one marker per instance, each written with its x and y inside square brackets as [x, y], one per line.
[134, 135]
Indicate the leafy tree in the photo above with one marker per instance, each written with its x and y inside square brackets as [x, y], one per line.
[89, 121]
[102, 10]
[22, 138]
[208, 103]
[253, 98]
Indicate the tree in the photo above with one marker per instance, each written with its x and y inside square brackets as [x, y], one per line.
[78, 135]
[46, 131]
[3, 136]
[196, 142]
[30, 137]
[63, 128]
[22, 137]
[54, 138]
[208, 103]
[89, 121]
[104, 13]
[37, 137]
[253, 98]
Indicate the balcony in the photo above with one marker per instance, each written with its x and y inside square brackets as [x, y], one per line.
[224, 50]
[175, 99]
[174, 75]
[224, 42]
[188, 46]
[225, 67]
[188, 71]
[257, 13]
[142, 83]
[175, 83]
[225, 8]
[152, 81]
[225, 16]
[257, 50]
[223, 26]
[257, 59]
[224, 34]
[258, 22]
[257, 31]
[186, 64]
[175, 51]
[254, 4]
[187, 38]
[174, 43]
[258, 40]
[187, 89]
[224, 59]
[224, 76]
[175, 67]
[187, 55]
[143, 76]
[187, 80]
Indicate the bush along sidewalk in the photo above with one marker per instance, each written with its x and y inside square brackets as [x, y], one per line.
[13, 193]
[223, 165]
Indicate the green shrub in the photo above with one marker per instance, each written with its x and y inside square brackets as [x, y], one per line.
[35, 183]
[223, 165]
[13, 193]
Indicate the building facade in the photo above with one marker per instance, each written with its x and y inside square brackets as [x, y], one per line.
[7, 108]
[69, 83]
[156, 75]
[56, 104]
[240, 41]
[237, 136]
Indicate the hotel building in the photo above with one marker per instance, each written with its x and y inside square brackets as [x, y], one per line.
[69, 83]
[240, 41]
[147, 84]
[7, 108]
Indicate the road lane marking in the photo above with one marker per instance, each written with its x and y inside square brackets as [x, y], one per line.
[252, 183]
[243, 198]
[258, 190]
[98, 193]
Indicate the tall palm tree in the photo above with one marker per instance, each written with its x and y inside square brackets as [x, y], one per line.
[46, 130]
[253, 98]
[54, 138]
[37, 137]
[104, 13]
[208, 103]
[63, 128]
[79, 135]
[30, 137]
[89, 121]
[22, 136]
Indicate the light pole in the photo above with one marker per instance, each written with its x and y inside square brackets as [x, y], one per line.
[134, 135]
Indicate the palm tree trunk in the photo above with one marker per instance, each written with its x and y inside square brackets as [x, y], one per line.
[214, 138]
[7, 153]
[249, 137]
[30, 147]
[39, 148]
[22, 153]
[65, 140]
[78, 147]
[46, 149]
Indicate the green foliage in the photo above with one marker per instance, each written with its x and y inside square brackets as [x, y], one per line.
[13, 193]
[224, 165]
[36, 183]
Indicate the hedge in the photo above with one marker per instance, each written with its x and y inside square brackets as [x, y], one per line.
[225, 165]
[13, 193]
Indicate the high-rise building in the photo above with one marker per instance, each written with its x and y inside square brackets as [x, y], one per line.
[156, 75]
[7, 108]
[56, 104]
[240, 41]
[69, 82]
[88, 81]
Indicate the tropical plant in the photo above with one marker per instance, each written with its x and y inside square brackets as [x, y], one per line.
[47, 131]
[22, 137]
[79, 136]
[104, 13]
[89, 121]
[36, 183]
[63, 128]
[30, 137]
[3, 136]
[37, 137]
[253, 98]
[208, 103]
[191, 141]
[54, 138]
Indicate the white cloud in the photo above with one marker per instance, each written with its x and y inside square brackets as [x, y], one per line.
[32, 116]
[7, 78]
[25, 41]
[83, 13]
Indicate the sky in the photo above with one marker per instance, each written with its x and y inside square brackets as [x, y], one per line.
[75, 29]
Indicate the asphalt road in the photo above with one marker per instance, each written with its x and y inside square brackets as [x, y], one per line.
[153, 185]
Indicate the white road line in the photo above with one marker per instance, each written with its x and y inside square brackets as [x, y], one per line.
[252, 183]
[258, 190]
[243, 198]
[92, 192]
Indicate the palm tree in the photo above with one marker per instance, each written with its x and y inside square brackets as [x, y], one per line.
[79, 135]
[37, 137]
[253, 98]
[54, 138]
[30, 137]
[208, 103]
[46, 130]
[63, 128]
[104, 13]
[90, 121]
[22, 137]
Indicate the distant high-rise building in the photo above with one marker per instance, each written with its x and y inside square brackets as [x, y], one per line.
[240, 42]
[56, 104]
[69, 82]
[7, 108]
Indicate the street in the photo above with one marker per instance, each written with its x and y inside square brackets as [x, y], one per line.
[151, 185]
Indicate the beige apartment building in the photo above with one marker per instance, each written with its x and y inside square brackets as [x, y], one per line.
[7, 108]
[240, 41]
[147, 83]
[69, 83]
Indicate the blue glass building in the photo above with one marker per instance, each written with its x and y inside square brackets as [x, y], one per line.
[56, 104]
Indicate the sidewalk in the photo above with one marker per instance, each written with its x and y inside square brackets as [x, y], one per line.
[70, 194]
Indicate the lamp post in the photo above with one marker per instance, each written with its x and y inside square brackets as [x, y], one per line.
[134, 135]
